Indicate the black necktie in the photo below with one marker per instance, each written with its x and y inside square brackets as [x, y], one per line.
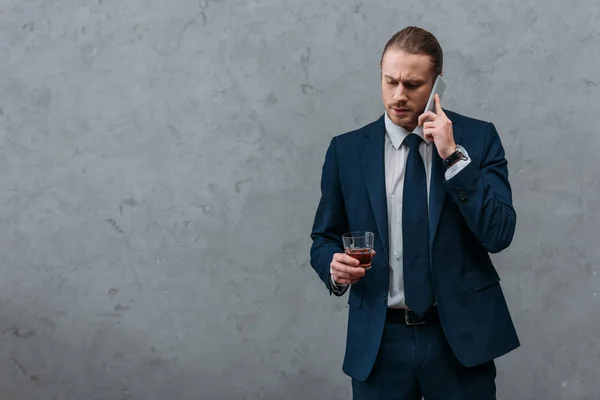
[418, 286]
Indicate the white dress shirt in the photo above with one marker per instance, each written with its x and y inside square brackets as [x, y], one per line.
[396, 155]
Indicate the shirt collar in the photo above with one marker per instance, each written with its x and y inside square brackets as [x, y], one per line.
[397, 133]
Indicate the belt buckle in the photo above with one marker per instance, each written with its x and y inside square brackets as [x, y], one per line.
[407, 319]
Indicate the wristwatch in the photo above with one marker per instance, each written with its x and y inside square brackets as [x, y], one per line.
[459, 154]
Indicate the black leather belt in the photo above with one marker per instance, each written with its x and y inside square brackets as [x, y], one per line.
[407, 317]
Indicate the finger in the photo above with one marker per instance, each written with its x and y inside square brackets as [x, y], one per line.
[355, 274]
[345, 270]
[426, 116]
[429, 134]
[429, 124]
[438, 105]
[352, 273]
[341, 279]
[350, 280]
[429, 131]
[338, 269]
[345, 259]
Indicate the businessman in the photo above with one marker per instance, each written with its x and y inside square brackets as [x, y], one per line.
[429, 317]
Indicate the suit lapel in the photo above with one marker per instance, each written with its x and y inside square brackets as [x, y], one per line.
[437, 192]
[373, 163]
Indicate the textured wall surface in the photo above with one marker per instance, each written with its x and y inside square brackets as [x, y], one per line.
[159, 172]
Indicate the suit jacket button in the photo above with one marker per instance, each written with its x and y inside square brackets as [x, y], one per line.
[384, 299]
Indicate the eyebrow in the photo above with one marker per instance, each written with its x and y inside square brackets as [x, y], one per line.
[409, 81]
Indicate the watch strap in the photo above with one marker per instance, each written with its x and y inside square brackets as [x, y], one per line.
[453, 158]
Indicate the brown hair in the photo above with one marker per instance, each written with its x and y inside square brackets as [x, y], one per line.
[415, 40]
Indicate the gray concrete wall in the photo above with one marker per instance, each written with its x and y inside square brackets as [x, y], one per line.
[159, 172]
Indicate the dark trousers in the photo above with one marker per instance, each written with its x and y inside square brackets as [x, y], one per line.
[415, 362]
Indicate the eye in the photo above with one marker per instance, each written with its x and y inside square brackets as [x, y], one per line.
[410, 85]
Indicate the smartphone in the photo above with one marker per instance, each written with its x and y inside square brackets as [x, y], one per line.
[438, 87]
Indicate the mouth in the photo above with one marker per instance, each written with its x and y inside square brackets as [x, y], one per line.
[400, 111]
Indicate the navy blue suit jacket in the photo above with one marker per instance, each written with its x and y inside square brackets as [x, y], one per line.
[471, 215]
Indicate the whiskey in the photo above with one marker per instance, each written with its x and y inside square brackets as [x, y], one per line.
[364, 256]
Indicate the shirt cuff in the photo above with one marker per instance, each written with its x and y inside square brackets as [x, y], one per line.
[456, 168]
[337, 288]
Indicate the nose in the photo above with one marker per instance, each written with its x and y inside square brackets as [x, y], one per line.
[399, 94]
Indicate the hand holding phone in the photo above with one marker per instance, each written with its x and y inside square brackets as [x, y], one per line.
[434, 124]
[439, 86]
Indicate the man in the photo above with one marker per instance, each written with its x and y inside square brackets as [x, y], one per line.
[429, 318]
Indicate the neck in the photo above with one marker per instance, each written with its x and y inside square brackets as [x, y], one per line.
[410, 127]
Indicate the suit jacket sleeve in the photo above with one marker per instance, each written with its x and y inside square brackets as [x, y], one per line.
[330, 220]
[483, 194]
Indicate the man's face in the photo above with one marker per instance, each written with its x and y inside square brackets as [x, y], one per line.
[406, 82]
